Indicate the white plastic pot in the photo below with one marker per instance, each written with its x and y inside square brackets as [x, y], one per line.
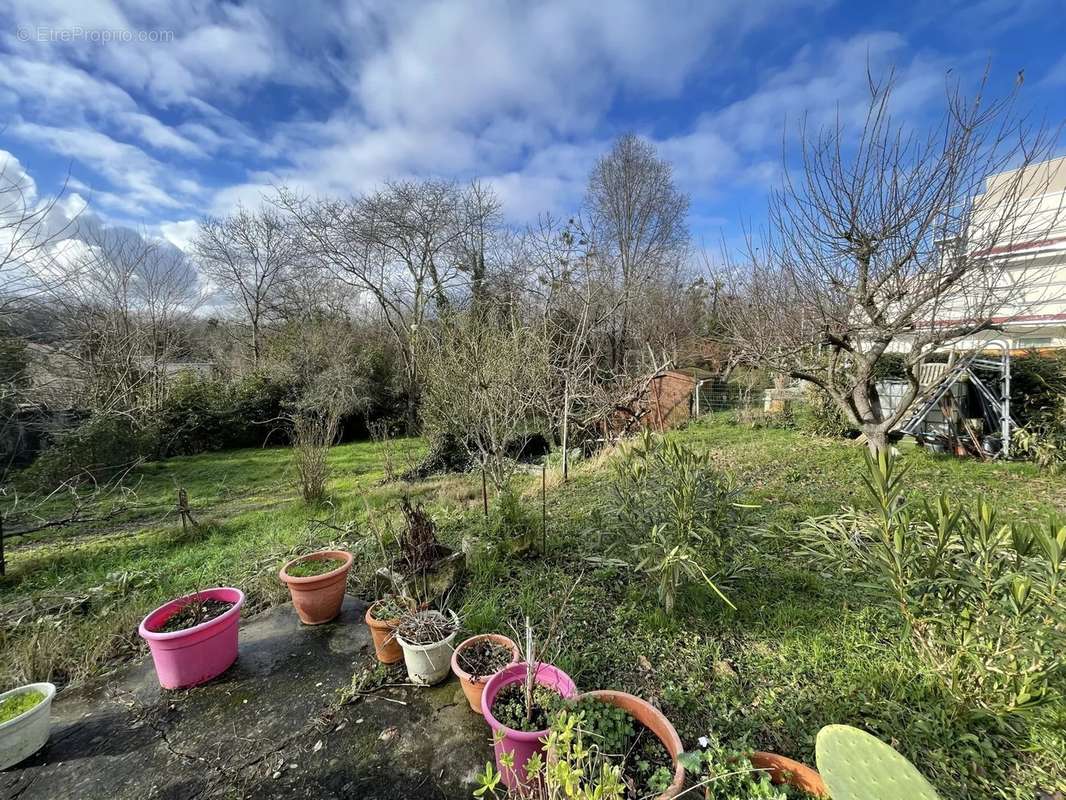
[428, 664]
[24, 735]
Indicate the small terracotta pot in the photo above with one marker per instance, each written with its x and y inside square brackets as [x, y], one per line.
[474, 685]
[792, 773]
[318, 598]
[654, 720]
[386, 648]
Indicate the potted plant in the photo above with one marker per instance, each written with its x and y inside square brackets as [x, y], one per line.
[317, 583]
[24, 718]
[479, 658]
[194, 638]
[517, 704]
[727, 772]
[426, 638]
[638, 737]
[382, 618]
[422, 567]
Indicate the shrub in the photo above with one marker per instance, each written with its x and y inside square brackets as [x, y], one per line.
[511, 527]
[679, 514]
[98, 448]
[822, 416]
[201, 415]
[980, 599]
[1043, 440]
[313, 434]
[1037, 385]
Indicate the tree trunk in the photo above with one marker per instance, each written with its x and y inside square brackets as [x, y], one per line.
[876, 437]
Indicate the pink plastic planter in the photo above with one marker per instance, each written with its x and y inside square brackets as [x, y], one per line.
[522, 743]
[198, 654]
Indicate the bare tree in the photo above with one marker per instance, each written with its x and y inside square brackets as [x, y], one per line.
[406, 247]
[486, 378]
[248, 256]
[889, 242]
[125, 300]
[480, 222]
[569, 288]
[28, 230]
[637, 222]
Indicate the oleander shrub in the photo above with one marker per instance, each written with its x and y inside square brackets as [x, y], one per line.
[981, 599]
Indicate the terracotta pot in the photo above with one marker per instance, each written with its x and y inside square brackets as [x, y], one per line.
[318, 598]
[474, 685]
[386, 648]
[652, 719]
[789, 772]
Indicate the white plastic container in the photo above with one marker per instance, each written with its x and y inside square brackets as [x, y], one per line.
[428, 664]
[24, 735]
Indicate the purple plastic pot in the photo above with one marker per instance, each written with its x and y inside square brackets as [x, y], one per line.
[522, 743]
[197, 654]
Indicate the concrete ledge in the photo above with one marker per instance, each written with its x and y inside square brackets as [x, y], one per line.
[267, 728]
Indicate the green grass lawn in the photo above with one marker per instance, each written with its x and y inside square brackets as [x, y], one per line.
[799, 652]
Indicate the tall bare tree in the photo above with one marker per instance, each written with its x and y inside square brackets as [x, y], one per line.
[888, 241]
[638, 222]
[249, 255]
[28, 229]
[408, 247]
[125, 303]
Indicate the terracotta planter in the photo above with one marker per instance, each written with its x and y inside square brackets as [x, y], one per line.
[474, 685]
[652, 719]
[520, 744]
[791, 773]
[386, 648]
[318, 598]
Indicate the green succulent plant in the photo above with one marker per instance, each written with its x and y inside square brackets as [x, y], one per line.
[858, 766]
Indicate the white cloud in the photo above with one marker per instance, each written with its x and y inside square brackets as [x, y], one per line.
[180, 233]
[522, 94]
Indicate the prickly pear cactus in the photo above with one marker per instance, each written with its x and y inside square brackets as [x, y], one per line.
[858, 766]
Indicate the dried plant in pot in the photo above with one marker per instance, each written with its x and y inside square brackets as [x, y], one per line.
[477, 659]
[422, 568]
[427, 639]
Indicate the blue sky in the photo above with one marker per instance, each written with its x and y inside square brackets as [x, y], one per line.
[334, 98]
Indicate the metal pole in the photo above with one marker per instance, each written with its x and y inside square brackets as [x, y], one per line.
[1005, 422]
[544, 508]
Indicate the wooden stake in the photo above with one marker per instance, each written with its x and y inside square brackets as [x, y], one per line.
[183, 510]
[484, 492]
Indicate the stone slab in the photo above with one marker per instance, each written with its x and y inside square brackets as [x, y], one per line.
[270, 727]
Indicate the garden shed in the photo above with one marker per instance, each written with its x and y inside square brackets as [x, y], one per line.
[661, 401]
